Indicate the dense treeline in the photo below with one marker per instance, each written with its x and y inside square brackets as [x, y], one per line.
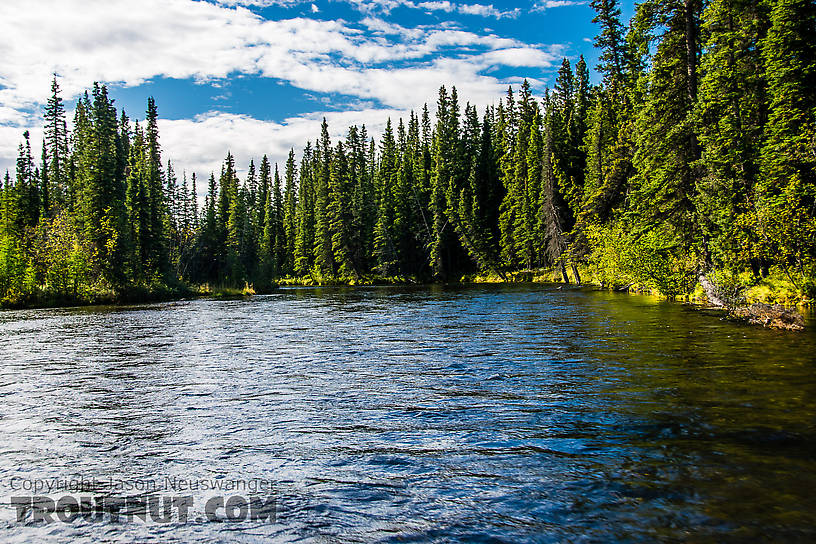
[694, 159]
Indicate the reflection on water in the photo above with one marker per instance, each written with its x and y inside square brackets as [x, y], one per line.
[489, 414]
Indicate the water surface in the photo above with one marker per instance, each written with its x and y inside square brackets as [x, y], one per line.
[483, 414]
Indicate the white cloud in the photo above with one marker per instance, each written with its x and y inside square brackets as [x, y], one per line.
[132, 41]
[549, 4]
[261, 3]
[488, 11]
[370, 6]
[436, 5]
[519, 56]
[200, 144]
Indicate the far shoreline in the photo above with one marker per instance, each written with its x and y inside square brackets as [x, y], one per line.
[778, 303]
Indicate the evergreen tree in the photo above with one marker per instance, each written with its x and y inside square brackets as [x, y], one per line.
[56, 152]
[340, 214]
[508, 167]
[253, 207]
[385, 245]
[211, 243]
[267, 248]
[304, 241]
[323, 255]
[787, 188]
[289, 214]
[27, 188]
[363, 209]
[447, 254]
[44, 193]
[171, 212]
[667, 147]
[236, 227]
[263, 189]
[611, 42]
[608, 141]
[279, 241]
[101, 195]
[156, 250]
[136, 205]
[730, 114]
[193, 202]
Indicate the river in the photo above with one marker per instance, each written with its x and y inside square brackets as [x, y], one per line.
[474, 414]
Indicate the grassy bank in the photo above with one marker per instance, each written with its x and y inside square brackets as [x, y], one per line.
[43, 297]
[773, 289]
[328, 281]
[132, 294]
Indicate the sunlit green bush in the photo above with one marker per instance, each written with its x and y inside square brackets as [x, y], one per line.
[620, 258]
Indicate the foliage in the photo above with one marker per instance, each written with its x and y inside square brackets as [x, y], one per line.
[620, 258]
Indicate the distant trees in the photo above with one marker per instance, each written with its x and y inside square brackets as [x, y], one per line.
[695, 155]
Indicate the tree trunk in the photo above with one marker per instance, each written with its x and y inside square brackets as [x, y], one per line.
[711, 291]
[690, 16]
[576, 274]
[563, 271]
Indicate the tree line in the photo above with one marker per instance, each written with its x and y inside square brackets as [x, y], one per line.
[693, 159]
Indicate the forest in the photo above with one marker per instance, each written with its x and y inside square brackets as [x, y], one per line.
[692, 161]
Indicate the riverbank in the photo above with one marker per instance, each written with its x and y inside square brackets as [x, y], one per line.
[133, 294]
[332, 281]
[774, 289]
[768, 302]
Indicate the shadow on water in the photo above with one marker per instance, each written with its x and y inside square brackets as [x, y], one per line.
[423, 414]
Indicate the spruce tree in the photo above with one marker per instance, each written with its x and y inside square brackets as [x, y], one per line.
[340, 214]
[385, 245]
[156, 241]
[667, 147]
[27, 188]
[194, 222]
[236, 228]
[101, 195]
[447, 254]
[609, 141]
[304, 240]
[611, 41]
[787, 187]
[323, 255]
[279, 242]
[136, 205]
[56, 151]
[289, 213]
[730, 113]
[266, 252]
[264, 185]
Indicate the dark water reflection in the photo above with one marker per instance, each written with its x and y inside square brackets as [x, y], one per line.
[490, 414]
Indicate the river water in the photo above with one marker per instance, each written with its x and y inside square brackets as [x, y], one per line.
[480, 414]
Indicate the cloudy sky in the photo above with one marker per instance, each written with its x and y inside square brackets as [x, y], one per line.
[257, 76]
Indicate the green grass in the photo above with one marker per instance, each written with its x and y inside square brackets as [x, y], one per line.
[43, 297]
[315, 280]
[774, 289]
[777, 289]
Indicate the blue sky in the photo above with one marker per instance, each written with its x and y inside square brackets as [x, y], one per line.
[257, 76]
